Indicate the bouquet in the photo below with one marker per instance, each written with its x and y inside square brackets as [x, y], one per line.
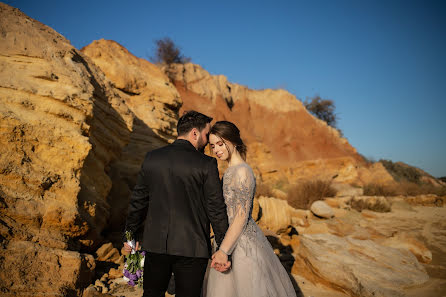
[134, 263]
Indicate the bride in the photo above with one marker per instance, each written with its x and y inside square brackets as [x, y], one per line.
[256, 271]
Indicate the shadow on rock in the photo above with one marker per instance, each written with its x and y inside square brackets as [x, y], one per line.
[287, 260]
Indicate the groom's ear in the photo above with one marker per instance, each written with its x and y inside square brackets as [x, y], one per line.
[195, 133]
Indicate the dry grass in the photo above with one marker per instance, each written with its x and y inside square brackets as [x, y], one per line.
[379, 190]
[303, 194]
[379, 204]
[263, 189]
[403, 188]
[413, 189]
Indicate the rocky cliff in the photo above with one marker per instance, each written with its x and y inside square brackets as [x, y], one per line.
[153, 101]
[285, 142]
[70, 142]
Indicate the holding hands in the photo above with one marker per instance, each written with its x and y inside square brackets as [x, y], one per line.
[220, 261]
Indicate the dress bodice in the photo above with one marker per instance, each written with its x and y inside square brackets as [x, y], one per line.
[238, 189]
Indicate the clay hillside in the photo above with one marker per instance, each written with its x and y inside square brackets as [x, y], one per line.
[285, 142]
[76, 124]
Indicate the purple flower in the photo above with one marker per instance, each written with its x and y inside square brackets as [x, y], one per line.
[143, 253]
[132, 277]
[126, 273]
[131, 283]
[138, 273]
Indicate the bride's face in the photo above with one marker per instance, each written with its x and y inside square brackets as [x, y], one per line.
[219, 148]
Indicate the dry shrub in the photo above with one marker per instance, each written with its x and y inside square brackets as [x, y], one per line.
[413, 189]
[303, 194]
[378, 204]
[410, 189]
[379, 190]
[168, 52]
[263, 189]
[403, 188]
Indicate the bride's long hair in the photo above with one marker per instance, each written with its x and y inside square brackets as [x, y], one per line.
[227, 131]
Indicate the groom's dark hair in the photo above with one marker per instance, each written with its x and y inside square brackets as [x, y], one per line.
[192, 119]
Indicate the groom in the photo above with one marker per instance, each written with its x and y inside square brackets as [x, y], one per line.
[178, 194]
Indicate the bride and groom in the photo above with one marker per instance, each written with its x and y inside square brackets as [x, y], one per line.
[178, 195]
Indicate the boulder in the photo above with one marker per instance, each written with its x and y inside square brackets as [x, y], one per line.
[108, 253]
[299, 217]
[321, 209]
[276, 215]
[115, 273]
[359, 267]
[28, 269]
[92, 291]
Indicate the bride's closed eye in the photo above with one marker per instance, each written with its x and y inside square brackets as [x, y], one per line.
[218, 144]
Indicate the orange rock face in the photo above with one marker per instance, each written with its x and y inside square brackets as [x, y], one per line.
[285, 142]
[55, 145]
[69, 146]
[153, 102]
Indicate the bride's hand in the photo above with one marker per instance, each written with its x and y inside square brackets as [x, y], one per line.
[220, 261]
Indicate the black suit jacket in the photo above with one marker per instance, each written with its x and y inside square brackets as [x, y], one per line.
[178, 194]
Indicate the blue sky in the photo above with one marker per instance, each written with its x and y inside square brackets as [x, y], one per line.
[382, 62]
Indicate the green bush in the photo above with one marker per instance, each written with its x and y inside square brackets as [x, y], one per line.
[323, 109]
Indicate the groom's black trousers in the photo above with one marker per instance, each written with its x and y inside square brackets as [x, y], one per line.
[189, 274]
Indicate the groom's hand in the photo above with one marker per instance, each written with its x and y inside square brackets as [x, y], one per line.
[220, 261]
[224, 267]
[128, 249]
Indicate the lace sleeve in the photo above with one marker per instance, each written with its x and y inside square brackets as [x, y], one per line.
[243, 185]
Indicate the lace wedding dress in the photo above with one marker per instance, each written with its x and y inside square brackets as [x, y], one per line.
[256, 271]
